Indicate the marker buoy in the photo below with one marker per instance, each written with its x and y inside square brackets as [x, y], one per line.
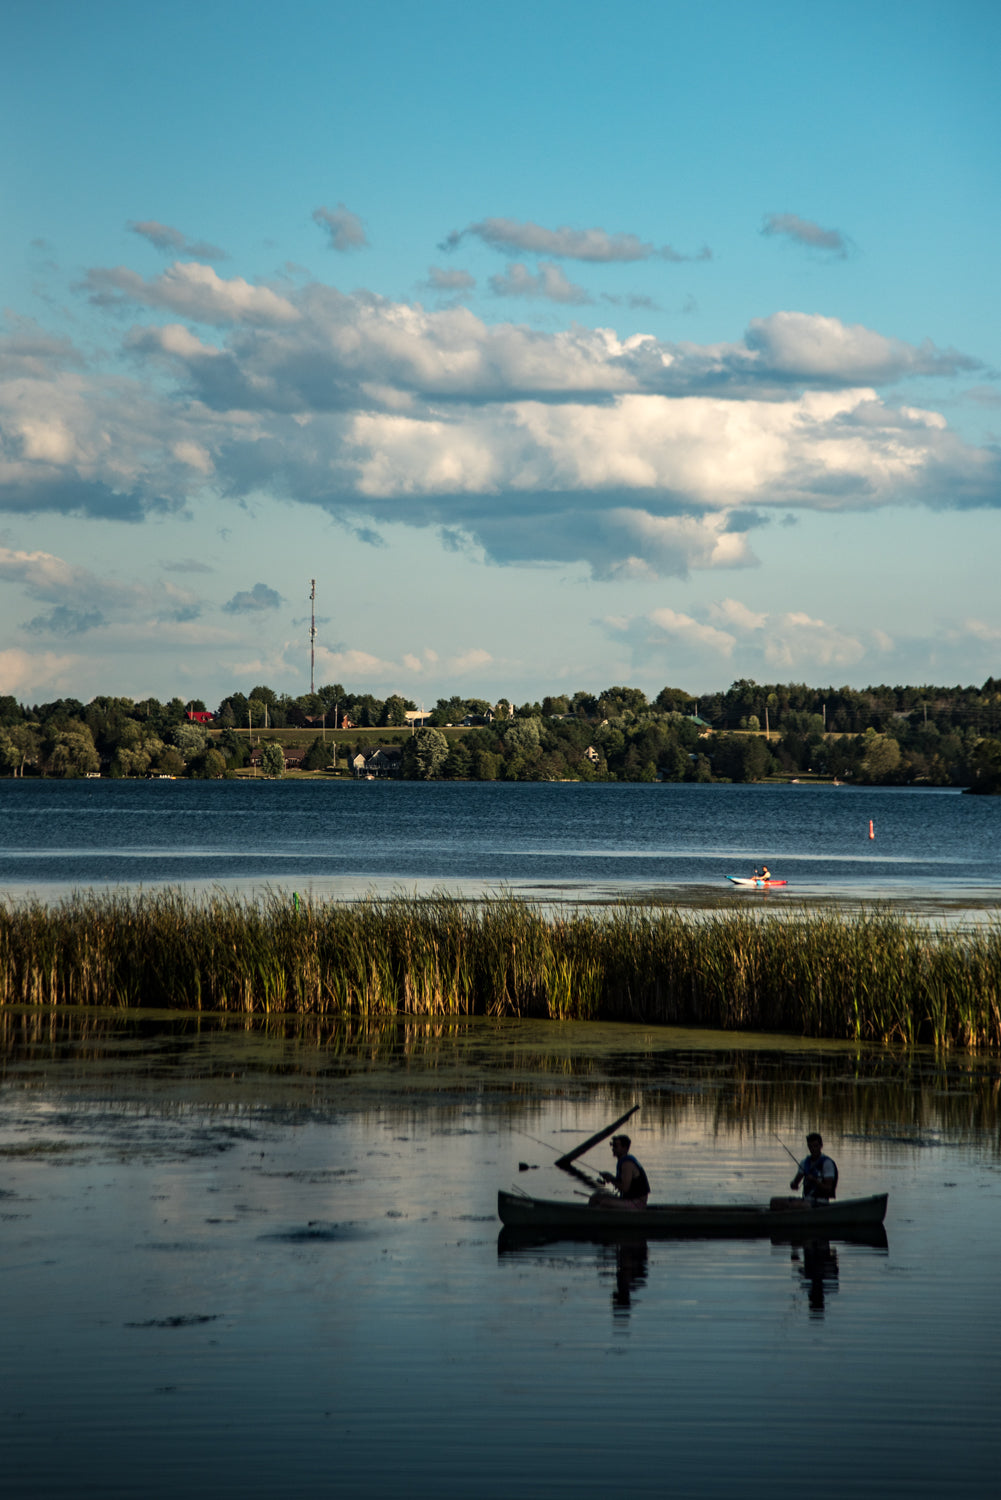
[871, 834]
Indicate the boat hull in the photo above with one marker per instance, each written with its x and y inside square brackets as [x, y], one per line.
[781, 1216]
[750, 880]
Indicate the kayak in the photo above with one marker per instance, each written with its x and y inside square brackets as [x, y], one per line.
[754, 880]
[779, 1216]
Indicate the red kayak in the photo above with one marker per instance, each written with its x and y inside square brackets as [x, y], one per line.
[755, 880]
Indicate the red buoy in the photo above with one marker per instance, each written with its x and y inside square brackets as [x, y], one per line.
[871, 834]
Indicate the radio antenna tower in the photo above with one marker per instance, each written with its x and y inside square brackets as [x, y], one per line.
[312, 632]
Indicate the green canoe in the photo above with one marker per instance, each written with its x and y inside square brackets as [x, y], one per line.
[780, 1216]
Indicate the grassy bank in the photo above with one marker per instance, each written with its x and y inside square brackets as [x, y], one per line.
[875, 976]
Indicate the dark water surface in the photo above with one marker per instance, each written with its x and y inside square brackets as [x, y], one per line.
[546, 841]
[254, 1260]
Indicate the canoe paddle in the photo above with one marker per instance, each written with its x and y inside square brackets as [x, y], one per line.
[594, 1140]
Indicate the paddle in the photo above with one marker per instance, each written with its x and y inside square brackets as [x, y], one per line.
[594, 1140]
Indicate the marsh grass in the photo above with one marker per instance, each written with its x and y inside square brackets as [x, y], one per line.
[873, 976]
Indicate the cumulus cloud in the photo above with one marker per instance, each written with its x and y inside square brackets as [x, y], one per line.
[636, 456]
[467, 662]
[173, 242]
[732, 612]
[754, 643]
[565, 243]
[253, 601]
[185, 565]
[980, 630]
[344, 229]
[27, 351]
[441, 279]
[794, 638]
[685, 628]
[78, 600]
[805, 232]
[193, 291]
[27, 674]
[549, 281]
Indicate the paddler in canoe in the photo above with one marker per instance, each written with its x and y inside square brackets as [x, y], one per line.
[632, 1188]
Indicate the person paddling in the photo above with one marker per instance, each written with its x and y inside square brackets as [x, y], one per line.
[817, 1172]
[632, 1189]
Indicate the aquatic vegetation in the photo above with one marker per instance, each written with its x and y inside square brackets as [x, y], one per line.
[874, 976]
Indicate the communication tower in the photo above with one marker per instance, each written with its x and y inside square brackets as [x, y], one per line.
[312, 632]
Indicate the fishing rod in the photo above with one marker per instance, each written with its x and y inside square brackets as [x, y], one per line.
[785, 1148]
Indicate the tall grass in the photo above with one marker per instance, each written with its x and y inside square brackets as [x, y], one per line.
[874, 976]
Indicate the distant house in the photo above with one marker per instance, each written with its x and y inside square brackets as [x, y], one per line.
[417, 718]
[294, 755]
[199, 716]
[384, 760]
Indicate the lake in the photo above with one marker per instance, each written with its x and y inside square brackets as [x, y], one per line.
[257, 1257]
[262, 1258]
[548, 842]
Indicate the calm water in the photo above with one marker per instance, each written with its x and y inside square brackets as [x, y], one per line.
[541, 840]
[249, 1263]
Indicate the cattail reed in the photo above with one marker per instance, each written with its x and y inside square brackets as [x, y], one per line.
[873, 976]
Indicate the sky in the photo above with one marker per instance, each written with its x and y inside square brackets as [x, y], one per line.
[563, 346]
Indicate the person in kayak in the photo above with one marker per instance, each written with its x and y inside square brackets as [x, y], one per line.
[817, 1172]
[632, 1189]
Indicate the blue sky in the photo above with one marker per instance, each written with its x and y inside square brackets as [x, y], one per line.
[562, 345]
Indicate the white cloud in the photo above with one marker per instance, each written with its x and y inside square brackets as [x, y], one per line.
[79, 600]
[794, 639]
[345, 229]
[628, 454]
[193, 291]
[756, 643]
[173, 242]
[806, 232]
[549, 282]
[467, 662]
[441, 279]
[981, 631]
[564, 242]
[29, 675]
[690, 631]
[732, 612]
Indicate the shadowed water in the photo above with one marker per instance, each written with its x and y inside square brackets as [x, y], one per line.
[263, 1259]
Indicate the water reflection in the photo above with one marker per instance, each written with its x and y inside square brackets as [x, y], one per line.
[248, 1239]
[817, 1264]
[749, 1085]
[631, 1262]
[625, 1258]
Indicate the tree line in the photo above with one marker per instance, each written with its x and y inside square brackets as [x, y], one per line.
[931, 736]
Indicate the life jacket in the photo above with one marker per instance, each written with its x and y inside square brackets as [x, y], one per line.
[639, 1187]
[813, 1172]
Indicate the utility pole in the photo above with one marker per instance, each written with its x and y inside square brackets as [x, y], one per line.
[312, 633]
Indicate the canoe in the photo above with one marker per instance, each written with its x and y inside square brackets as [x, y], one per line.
[754, 880]
[780, 1216]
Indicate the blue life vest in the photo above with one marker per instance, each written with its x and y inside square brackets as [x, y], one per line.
[813, 1174]
[640, 1187]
